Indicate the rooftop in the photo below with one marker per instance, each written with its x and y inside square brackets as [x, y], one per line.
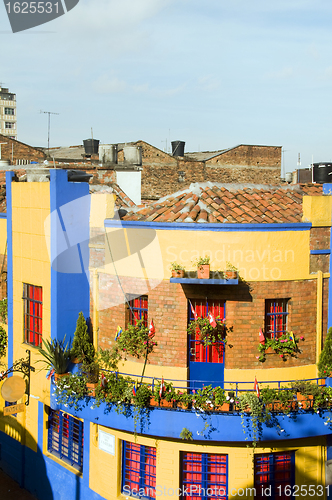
[211, 202]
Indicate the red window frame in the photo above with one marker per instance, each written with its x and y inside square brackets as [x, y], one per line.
[213, 353]
[33, 314]
[276, 314]
[139, 470]
[204, 475]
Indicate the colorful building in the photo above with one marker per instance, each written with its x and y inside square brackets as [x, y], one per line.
[70, 251]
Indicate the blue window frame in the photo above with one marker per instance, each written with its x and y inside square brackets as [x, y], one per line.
[65, 438]
[138, 470]
[204, 475]
[275, 470]
[276, 313]
[138, 309]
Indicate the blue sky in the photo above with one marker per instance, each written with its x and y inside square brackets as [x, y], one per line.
[212, 73]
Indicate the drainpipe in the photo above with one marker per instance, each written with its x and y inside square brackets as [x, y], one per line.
[319, 315]
[95, 305]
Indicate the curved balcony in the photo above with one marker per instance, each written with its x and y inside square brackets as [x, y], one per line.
[221, 426]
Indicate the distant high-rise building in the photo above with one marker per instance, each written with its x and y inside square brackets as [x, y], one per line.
[8, 113]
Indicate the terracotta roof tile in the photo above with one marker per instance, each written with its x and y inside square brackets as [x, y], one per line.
[228, 203]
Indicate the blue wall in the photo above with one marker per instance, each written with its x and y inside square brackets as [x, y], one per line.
[70, 292]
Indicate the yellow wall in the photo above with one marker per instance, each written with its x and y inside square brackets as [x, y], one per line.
[3, 235]
[105, 469]
[259, 256]
[31, 264]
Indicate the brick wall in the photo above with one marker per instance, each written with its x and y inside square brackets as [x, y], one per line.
[320, 240]
[245, 312]
[15, 152]
[163, 174]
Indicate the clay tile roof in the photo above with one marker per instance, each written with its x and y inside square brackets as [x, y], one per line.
[212, 202]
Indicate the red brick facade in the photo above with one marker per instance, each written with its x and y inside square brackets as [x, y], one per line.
[245, 314]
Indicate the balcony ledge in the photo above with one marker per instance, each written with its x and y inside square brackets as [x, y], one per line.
[222, 427]
[195, 281]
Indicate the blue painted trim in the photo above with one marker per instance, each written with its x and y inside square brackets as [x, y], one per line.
[320, 252]
[329, 307]
[3, 215]
[40, 424]
[10, 348]
[86, 453]
[227, 427]
[193, 226]
[195, 281]
[327, 188]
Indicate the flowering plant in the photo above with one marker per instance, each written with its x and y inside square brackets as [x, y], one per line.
[285, 345]
[202, 330]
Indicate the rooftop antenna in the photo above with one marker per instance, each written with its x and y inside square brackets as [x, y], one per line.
[49, 113]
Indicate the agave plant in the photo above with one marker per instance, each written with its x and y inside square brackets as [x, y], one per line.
[56, 355]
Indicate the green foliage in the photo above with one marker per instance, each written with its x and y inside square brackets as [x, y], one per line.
[3, 310]
[207, 334]
[186, 434]
[135, 341]
[284, 346]
[325, 359]
[56, 355]
[109, 358]
[248, 402]
[82, 347]
[143, 395]
[219, 396]
[202, 261]
[3, 342]
[70, 389]
[176, 267]
[231, 267]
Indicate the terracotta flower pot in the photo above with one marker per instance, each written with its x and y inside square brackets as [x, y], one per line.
[57, 376]
[203, 272]
[91, 386]
[223, 407]
[177, 273]
[231, 275]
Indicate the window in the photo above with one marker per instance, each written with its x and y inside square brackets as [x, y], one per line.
[65, 438]
[275, 470]
[276, 312]
[204, 475]
[33, 309]
[139, 470]
[9, 111]
[198, 352]
[9, 125]
[137, 309]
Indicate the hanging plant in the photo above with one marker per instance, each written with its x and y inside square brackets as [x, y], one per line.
[202, 330]
[285, 345]
[136, 341]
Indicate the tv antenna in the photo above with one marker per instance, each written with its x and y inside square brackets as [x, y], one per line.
[49, 113]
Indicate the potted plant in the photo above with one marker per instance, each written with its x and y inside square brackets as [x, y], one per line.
[231, 271]
[82, 346]
[220, 399]
[177, 270]
[285, 345]
[203, 268]
[142, 396]
[56, 356]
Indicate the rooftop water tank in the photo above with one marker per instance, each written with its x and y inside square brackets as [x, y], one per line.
[322, 172]
[91, 146]
[178, 148]
[132, 154]
[108, 153]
